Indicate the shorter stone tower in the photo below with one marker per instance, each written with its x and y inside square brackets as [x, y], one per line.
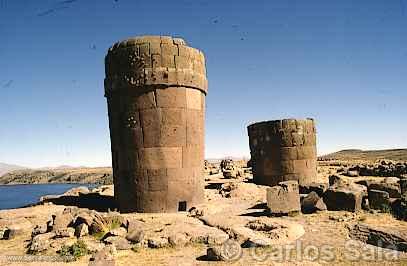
[283, 150]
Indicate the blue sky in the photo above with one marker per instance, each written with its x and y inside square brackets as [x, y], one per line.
[343, 63]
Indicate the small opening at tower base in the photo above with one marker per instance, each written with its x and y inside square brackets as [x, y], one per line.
[182, 206]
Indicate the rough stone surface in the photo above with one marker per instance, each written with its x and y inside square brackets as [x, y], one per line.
[119, 242]
[178, 239]
[117, 232]
[393, 188]
[216, 253]
[40, 243]
[135, 236]
[345, 197]
[39, 229]
[312, 203]
[81, 230]
[62, 221]
[104, 257]
[284, 198]
[319, 188]
[155, 89]
[157, 242]
[65, 232]
[379, 236]
[283, 150]
[403, 186]
[379, 200]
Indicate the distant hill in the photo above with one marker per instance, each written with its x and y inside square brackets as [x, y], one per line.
[6, 168]
[372, 155]
[98, 175]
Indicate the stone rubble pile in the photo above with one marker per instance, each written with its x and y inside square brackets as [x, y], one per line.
[231, 169]
[383, 169]
[341, 194]
[211, 168]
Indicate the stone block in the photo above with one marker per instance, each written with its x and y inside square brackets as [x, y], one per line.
[284, 198]
[393, 188]
[194, 99]
[161, 157]
[403, 186]
[168, 61]
[151, 126]
[157, 179]
[195, 132]
[172, 97]
[191, 156]
[345, 197]
[319, 188]
[379, 200]
[312, 203]
[146, 101]
[182, 62]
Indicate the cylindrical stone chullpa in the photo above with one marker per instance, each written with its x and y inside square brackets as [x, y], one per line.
[155, 88]
[283, 150]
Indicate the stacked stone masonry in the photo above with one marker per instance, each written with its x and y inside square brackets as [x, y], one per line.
[283, 150]
[155, 88]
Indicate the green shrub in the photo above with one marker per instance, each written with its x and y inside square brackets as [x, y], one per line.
[103, 225]
[77, 250]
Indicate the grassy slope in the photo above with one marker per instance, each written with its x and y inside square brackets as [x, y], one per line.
[395, 154]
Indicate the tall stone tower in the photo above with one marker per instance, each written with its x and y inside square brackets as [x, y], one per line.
[283, 150]
[155, 88]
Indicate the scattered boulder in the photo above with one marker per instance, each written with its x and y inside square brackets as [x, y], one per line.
[63, 220]
[104, 257]
[178, 239]
[135, 236]
[335, 180]
[351, 173]
[344, 197]
[393, 188]
[403, 186]
[65, 232]
[119, 242]
[81, 230]
[379, 236]
[216, 253]
[227, 188]
[284, 198]
[319, 188]
[11, 228]
[157, 242]
[195, 212]
[83, 217]
[227, 252]
[2, 231]
[120, 231]
[132, 224]
[40, 243]
[76, 191]
[379, 200]
[39, 229]
[312, 203]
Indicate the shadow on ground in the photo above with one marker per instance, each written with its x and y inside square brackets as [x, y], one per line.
[214, 186]
[92, 201]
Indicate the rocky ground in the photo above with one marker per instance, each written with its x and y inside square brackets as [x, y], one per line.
[233, 226]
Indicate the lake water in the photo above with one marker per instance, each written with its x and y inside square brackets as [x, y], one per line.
[15, 196]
